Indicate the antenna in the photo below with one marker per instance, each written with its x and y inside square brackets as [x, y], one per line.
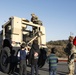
[71, 34]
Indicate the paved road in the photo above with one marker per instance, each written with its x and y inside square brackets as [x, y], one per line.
[61, 70]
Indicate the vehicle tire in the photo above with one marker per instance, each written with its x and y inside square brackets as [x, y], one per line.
[5, 62]
[42, 58]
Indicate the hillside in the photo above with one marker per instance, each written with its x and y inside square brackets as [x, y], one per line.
[60, 46]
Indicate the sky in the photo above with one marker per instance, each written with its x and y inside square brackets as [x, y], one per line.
[58, 16]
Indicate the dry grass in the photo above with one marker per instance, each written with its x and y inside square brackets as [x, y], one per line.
[59, 48]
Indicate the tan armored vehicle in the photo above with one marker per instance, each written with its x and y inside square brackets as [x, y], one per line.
[16, 31]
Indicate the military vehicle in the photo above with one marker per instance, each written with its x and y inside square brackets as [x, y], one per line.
[16, 31]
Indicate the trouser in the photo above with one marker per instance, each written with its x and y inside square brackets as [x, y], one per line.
[52, 71]
[71, 67]
[13, 67]
[23, 66]
[34, 67]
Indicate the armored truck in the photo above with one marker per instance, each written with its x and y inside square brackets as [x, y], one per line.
[15, 32]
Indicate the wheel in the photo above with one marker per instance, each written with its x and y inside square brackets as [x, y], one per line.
[42, 58]
[5, 64]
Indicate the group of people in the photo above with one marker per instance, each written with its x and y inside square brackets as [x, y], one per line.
[52, 59]
[33, 58]
[70, 51]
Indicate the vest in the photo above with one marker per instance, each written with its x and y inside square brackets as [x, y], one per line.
[22, 55]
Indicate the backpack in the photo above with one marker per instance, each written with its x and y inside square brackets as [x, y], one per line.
[74, 41]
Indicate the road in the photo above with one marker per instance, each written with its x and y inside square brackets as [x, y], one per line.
[61, 70]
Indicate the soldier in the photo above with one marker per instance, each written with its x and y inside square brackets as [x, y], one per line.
[70, 50]
[35, 19]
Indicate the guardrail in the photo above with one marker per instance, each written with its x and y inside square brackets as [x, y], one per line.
[64, 59]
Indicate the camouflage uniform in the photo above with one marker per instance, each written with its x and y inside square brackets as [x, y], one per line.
[71, 64]
[70, 50]
[35, 19]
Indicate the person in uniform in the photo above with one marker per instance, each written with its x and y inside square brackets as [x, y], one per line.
[70, 50]
[35, 19]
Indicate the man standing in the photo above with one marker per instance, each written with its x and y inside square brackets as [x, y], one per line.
[70, 50]
[33, 57]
